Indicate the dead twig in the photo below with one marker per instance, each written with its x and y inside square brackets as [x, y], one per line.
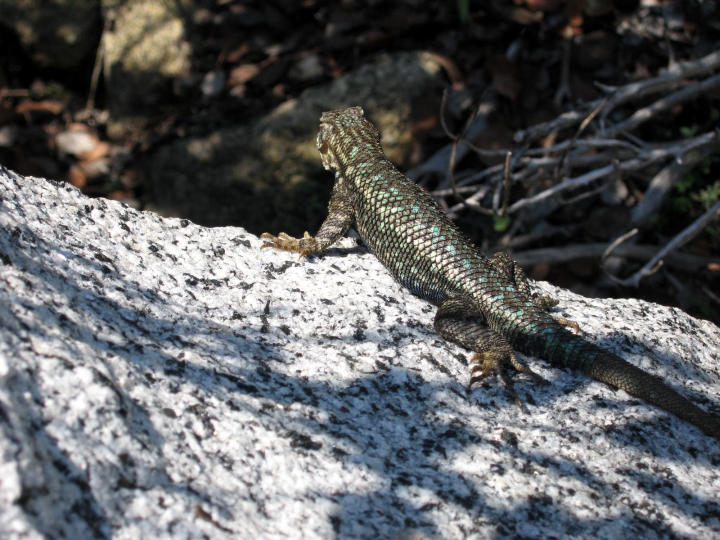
[438, 162]
[97, 66]
[630, 92]
[566, 162]
[472, 203]
[654, 264]
[563, 90]
[711, 295]
[586, 162]
[682, 261]
[14, 92]
[671, 77]
[457, 139]
[563, 121]
[506, 185]
[661, 184]
[666, 102]
[564, 166]
[643, 159]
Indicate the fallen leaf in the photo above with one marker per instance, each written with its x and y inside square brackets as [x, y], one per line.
[525, 16]
[75, 142]
[242, 74]
[51, 106]
[77, 177]
[543, 5]
[101, 149]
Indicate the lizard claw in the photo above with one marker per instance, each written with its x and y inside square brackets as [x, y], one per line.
[546, 302]
[487, 363]
[286, 242]
[570, 324]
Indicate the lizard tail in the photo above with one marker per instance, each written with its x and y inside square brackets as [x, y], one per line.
[569, 350]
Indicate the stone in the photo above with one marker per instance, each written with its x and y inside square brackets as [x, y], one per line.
[267, 172]
[57, 34]
[163, 379]
[146, 48]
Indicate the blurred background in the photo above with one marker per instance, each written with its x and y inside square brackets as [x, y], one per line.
[582, 134]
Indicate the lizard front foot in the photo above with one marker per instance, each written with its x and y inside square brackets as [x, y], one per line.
[304, 246]
[544, 301]
[496, 362]
[568, 323]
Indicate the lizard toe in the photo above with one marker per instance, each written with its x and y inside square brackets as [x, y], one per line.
[487, 363]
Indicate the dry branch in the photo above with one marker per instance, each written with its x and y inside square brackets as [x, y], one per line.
[588, 152]
[683, 261]
[654, 264]
[644, 158]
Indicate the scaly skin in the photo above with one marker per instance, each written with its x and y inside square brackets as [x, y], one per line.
[484, 304]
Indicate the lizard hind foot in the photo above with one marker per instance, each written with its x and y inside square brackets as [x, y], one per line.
[487, 363]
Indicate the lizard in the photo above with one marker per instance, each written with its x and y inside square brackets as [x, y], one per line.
[484, 304]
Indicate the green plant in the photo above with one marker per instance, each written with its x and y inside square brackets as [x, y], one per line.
[501, 223]
[463, 10]
[697, 186]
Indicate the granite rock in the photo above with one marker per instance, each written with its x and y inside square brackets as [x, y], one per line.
[158, 378]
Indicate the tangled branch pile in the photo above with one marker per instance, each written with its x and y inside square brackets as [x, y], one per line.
[583, 153]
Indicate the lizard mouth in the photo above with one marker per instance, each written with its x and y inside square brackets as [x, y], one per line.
[322, 138]
[323, 146]
[327, 117]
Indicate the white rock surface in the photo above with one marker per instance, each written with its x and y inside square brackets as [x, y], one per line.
[161, 379]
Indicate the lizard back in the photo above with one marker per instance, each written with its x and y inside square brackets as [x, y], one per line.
[400, 222]
[411, 234]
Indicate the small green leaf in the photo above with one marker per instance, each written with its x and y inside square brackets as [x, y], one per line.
[501, 223]
[463, 10]
[688, 131]
[708, 196]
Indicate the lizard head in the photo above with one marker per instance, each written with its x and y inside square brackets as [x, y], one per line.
[344, 135]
